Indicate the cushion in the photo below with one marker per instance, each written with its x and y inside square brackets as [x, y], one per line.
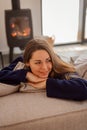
[80, 63]
[79, 59]
[35, 111]
[82, 70]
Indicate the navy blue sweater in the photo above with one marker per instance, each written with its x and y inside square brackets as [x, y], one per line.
[73, 89]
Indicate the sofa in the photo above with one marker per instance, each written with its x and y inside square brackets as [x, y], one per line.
[33, 110]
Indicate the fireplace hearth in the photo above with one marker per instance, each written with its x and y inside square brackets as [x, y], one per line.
[19, 29]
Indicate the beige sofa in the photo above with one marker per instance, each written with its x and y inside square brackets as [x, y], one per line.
[35, 111]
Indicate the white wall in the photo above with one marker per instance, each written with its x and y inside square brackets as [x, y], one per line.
[35, 7]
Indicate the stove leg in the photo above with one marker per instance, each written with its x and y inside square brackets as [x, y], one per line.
[10, 54]
[2, 61]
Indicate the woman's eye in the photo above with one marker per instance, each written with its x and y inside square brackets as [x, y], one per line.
[49, 60]
[37, 62]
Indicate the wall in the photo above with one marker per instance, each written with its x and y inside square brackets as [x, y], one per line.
[35, 7]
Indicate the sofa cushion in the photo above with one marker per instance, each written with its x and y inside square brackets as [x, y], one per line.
[35, 111]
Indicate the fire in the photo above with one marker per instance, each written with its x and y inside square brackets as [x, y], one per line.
[16, 33]
[20, 27]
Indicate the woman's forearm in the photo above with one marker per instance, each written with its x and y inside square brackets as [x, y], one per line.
[13, 77]
[74, 89]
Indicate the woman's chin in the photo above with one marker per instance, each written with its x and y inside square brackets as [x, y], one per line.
[44, 76]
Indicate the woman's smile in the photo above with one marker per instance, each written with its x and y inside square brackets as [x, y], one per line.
[43, 74]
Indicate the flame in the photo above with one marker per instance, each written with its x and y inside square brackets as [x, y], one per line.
[24, 33]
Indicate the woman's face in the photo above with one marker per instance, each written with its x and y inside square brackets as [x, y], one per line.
[40, 63]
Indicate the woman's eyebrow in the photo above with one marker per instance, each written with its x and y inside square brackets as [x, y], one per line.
[40, 59]
[36, 60]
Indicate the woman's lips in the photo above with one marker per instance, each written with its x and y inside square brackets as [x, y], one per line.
[44, 74]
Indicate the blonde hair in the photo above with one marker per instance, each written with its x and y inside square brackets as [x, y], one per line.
[59, 66]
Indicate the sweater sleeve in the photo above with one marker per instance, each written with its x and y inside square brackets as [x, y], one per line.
[14, 77]
[8, 76]
[73, 89]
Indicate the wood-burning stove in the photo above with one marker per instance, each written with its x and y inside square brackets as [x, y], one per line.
[19, 28]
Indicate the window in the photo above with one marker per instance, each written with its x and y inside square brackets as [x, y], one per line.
[60, 19]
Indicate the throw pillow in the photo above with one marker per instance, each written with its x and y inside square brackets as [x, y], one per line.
[81, 59]
[80, 63]
[82, 70]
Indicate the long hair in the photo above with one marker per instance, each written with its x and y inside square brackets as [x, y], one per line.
[59, 66]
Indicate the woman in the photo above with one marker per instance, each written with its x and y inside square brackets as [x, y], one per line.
[44, 69]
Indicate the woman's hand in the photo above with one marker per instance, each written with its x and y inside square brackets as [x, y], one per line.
[33, 78]
[35, 81]
[39, 85]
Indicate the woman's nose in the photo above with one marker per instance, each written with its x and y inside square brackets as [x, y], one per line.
[44, 66]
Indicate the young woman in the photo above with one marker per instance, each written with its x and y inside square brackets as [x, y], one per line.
[44, 69]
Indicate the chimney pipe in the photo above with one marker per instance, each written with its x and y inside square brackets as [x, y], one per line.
[15, 4]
